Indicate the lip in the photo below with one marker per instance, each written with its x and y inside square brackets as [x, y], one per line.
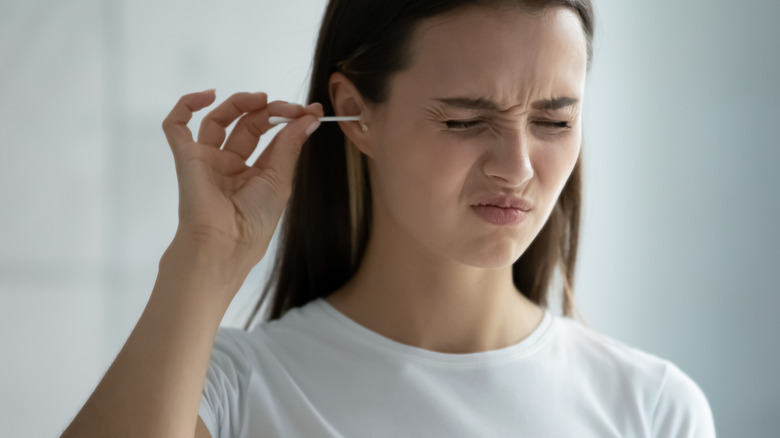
[504, 201]
[500, 216]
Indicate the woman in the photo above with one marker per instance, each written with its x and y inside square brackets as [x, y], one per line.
[419, 246]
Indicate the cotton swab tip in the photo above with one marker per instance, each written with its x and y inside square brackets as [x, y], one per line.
[275, 120]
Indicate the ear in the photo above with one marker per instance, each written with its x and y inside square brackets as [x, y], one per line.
[347, 101]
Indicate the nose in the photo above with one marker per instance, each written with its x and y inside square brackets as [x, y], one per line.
[509, 160]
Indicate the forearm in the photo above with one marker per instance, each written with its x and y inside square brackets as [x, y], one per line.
[154, 386]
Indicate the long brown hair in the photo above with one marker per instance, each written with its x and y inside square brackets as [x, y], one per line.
[326, 224]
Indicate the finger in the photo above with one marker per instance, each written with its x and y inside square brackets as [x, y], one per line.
[316, 106]
[279, 160]
[250, 127]
[212, 127]
[175, 124]
[264, 158]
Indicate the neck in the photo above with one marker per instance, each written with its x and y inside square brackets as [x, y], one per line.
[424, 300]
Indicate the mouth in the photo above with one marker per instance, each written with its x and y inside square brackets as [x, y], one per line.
[505, 201]
[498, 215]
[497, 206]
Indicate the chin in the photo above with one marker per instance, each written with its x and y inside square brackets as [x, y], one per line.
[495, 258]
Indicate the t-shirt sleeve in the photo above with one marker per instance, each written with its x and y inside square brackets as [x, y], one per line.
[682, 409]
[228, 373]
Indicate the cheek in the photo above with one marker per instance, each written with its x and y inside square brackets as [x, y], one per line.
[425, 171]
[553, 163]
[441, 166]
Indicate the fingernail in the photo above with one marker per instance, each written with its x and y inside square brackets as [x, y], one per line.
[312, 128]
[210, 90]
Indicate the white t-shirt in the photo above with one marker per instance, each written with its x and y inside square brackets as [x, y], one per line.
[316, 373]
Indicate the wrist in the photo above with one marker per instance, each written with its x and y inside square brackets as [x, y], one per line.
[204, 271]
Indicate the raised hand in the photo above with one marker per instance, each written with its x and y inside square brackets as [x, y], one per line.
[226, 207]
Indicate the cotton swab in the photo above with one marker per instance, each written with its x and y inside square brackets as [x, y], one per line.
[274, 120]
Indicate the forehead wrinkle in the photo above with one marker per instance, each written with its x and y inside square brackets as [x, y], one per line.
[486, 104]
[451, 63]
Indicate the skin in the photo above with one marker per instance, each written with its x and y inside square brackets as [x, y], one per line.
[436, 275]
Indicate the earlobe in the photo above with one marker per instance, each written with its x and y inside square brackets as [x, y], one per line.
[347, 101]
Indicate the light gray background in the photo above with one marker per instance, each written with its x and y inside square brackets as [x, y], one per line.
[678, 251]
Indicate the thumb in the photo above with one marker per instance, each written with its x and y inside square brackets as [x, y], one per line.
[283, 152]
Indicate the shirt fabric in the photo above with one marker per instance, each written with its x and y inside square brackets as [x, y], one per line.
[317, 373]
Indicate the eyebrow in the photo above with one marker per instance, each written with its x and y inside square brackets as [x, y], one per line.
[487, 104]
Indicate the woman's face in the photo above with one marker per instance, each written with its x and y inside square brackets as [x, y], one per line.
[427, 171]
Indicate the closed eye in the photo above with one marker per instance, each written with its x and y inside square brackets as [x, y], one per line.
[555, 124]
[465, 124]
[462, 124]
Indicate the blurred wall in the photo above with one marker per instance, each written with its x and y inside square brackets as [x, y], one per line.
[678, 240]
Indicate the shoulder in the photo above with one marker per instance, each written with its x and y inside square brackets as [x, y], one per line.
[673, 405]
[230, 353]
[263, 346]
[231, 341]
[610, 355]
[682, 409]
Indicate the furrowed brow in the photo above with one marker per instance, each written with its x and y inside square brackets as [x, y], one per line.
[489, 105]
[554, 104]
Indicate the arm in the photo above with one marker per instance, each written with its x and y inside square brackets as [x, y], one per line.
[154, 386]
[228, 212]
[201, 431]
